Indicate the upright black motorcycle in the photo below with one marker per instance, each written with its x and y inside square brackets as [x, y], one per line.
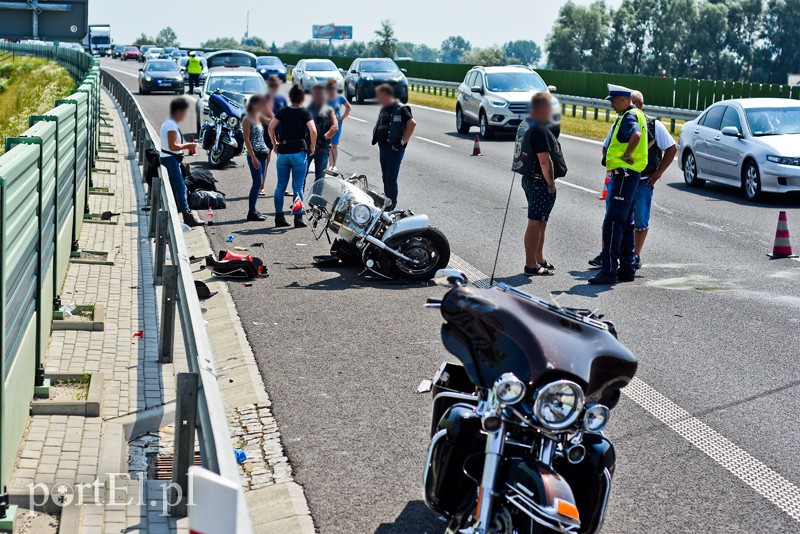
[517, 434]
[222, 136]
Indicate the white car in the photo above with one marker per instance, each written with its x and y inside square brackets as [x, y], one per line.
[749, 143]
[153, 53]
[310, 72]
[243, 80]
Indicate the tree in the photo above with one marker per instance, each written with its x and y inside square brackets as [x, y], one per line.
[385, 41]
[220, 43]
[526, 52]
[453, 48]
[144, 40]
[167, 37]
[487, 57]
[579, 36]
[781, 50]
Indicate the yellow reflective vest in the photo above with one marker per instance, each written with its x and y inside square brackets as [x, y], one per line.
[194, 66]
[616, 149]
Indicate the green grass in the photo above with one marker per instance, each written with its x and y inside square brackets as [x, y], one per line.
[29, 86]
[588, 127]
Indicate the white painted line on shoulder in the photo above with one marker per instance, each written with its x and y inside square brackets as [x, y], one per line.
[432, 141]
[357, 119]
[126, 73]
[433, 109]
[754, 473]
[576, 186]
[585, 140]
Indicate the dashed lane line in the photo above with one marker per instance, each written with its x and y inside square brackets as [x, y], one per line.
[754, 473]
[356, 119]
[432, 141]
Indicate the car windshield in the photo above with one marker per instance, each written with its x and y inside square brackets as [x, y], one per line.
[269, 61]
[773, 121]
[131, 49]
[101, 39]
[162, 66]
[232, 59]
[183, 61]
[170, 50]
[154, 50]
[514, 82]
[381, 65]
[320, 66]
[239, 84]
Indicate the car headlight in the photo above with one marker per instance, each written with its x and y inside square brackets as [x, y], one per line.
[509, 389]
[368, 77]
[148, 79]
[232, 122]
[361, 214]
[262, 71]
[178, 78]
[783, 160]
[558, 404]
[596, 418]
[498, 103]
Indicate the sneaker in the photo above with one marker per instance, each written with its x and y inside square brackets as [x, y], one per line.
[603, 279]
[596, 261]
[626, 277]
[255, 217]
[637, 262]
[280, 221]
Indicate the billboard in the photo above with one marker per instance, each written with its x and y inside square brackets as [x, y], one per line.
[331, 31]
[49, 20]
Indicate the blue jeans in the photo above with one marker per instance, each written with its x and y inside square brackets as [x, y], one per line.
[320, 160]
[641, 205]
[177, 182]
[618, 239]
[391, 158]
[287, 165]
[258, 176]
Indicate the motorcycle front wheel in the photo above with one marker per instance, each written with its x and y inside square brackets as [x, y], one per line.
[217, 159]
[431, 250]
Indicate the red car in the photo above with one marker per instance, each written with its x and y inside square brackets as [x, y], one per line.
[130, 52]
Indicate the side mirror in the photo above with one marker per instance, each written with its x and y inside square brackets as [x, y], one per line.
[450, 278]
[141, 70]
[476, 89]
[731, 131]
[552, 88]
[353, 71]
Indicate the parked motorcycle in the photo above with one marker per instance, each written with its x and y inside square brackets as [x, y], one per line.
[393, 244]
[517, 433]
[222, 136]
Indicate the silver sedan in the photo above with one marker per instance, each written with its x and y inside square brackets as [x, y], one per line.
[750, 143]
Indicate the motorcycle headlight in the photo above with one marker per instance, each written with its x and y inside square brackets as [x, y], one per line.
[558, 404]
[223, 115]
[509, 389]
[596, 418]
[361, 214]
[232, 122]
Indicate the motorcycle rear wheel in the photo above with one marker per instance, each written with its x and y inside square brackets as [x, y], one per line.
[220, 158]
[431, 248]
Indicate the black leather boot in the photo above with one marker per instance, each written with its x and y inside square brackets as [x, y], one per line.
[280, 221]
[190, 220]
[298, 221]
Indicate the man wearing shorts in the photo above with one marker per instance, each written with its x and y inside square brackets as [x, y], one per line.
[532, 160]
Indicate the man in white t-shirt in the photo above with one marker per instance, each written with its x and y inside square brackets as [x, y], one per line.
[661, 153]
[172, 147]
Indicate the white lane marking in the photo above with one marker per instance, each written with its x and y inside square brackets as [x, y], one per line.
[576, 186]
[757, 475]
[120, 71]
[432, 141]
[576, 138]
[433, 109]
[356, 119]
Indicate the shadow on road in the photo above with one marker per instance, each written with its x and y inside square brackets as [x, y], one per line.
[723, 193]
[415, 517]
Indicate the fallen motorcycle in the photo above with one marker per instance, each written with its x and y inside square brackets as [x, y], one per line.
[393, 244]
[517, 431]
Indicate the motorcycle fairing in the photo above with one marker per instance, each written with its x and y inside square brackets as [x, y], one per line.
[408, 226]
[540, 492]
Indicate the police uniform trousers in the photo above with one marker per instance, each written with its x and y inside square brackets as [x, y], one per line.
[618, 234]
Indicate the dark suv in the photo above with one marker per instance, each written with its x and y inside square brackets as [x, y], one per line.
[366, 74]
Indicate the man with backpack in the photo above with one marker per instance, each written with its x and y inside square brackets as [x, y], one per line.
[538, 158]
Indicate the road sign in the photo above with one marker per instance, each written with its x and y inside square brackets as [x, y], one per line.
[49, 20]
[331, 31]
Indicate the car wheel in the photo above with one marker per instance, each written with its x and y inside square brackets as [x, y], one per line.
[486, 130]
[359, 99]
[461, 123]
[690, 172]
[751, 181]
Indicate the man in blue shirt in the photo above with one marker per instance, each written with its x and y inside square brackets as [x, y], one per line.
[278, 100]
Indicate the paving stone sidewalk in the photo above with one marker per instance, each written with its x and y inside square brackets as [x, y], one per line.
[64, 451]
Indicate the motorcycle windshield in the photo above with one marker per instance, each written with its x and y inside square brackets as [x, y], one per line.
[498, 332]
[332, 190]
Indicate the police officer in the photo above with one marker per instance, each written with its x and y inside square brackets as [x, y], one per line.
[194, 68]
[327, 126]
[392, 131]
[626, 158]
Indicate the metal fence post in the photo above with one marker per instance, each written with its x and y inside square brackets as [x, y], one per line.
[185, 419]
[169, 297]
[155, 205]
[162, 219]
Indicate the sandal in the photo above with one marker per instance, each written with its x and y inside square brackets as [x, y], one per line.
[262, 193]
[537, 271]
[547, 265]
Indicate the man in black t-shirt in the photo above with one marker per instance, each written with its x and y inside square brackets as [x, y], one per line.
[394, 128]
[532, 160]
[327, 126]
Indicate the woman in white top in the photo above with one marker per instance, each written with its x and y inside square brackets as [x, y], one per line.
[172, 147]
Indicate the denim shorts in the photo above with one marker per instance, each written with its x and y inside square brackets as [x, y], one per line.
[337, 136]
[540, 201]
[641, 205]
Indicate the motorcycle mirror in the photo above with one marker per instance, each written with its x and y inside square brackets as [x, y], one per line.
[450, 278]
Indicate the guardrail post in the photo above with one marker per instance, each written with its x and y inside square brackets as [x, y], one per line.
[169, 297]
[185, 419]
[672, 125]
[155, 205]
[596, 112]
[162, 219]
[608, 115]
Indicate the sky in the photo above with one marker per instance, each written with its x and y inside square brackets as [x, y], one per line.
[483, 23]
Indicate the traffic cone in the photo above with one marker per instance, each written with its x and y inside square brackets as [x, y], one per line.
[783, 245]
[605, 187]
[476, 148]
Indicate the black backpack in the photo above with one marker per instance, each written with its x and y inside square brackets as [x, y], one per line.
[557, 157]
[527, 165]
[201, 180]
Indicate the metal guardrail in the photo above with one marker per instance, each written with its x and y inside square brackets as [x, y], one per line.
[598, 106]
[179, 294]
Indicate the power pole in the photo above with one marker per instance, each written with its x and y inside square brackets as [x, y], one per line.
[247, 29]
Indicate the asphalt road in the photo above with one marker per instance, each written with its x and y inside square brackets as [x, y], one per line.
[713, 321]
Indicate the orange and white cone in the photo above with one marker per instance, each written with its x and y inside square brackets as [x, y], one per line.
[605, 187]
[476, 148]
[783, 245]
